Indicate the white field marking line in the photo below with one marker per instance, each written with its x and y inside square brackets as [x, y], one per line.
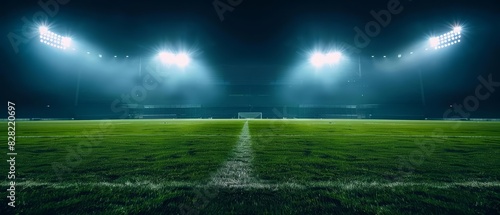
[124, 135]
[351, 185]
[237, 170]
[263, 135]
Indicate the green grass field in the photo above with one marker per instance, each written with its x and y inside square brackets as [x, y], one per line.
[255, 167]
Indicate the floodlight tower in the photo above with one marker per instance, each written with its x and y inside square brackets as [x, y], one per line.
[448, 39]
[52, 39]
[436, 43]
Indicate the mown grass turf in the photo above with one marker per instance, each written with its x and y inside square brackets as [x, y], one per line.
[304, 152]
[122, 150]
[343, 150]
[106, 200]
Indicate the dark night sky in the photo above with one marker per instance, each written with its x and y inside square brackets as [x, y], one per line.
[255, 33]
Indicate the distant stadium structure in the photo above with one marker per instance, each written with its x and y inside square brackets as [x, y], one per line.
[250, 115]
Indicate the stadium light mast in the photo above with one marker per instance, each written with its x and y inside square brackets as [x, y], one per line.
[52, 39]
[445, 40]
[77, 93]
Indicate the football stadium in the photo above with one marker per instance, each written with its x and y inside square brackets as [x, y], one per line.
[250, 107]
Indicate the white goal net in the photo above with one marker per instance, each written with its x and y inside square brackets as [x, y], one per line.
[249, 115]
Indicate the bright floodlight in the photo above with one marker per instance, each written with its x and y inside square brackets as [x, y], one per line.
[319, 60]
[167, 57]
[333, 58]
[43, 29]
[54, 40]
[66, 42]
[434, 42]
[181, 60]
[446, 40]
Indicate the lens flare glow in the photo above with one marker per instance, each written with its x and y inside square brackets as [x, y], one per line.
[49, 38]
[43, 30]
[181, 60]
[319, 60]
[434, 41]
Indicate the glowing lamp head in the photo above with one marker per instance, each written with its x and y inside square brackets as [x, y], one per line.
[333, 58]
[317, 60]
[167, 57]
[182, 60]
[66, 42]
[434, 42]
[457, 29]
[43, 30]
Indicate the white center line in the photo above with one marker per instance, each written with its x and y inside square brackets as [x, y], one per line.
[237, 171]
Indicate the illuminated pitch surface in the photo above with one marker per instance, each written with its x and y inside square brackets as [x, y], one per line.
[284, 166]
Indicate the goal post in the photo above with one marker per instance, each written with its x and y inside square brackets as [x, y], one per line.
[249, 115]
